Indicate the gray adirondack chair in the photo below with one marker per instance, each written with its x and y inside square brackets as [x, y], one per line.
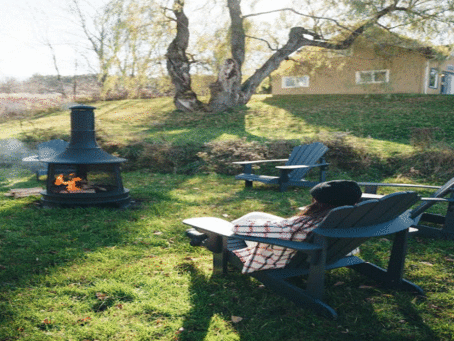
[46, 150]
[341, 232]
[443, 193]
[302, 159]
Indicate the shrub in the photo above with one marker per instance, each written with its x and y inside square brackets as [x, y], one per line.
[436, 164]
[218, 156]
[344, 153]
[160, 157]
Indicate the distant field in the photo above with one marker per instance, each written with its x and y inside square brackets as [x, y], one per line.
[22, 104]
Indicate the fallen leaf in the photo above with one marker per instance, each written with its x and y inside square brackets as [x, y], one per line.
[157, 233]
[225, 215]
[101, 296]
[338, 283]
[427, 263]
[449, 259]
[236, 319]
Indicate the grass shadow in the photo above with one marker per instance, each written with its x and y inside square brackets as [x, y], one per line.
[266, 316]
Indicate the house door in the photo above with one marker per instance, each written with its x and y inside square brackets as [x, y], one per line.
[447, 83]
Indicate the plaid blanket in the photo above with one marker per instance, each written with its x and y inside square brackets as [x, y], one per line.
[264, 256]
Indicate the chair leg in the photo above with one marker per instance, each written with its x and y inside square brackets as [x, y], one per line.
[283, 180]
[393, 277]
[316, 278]
[448, 228]
[323, 170]
[220, 259]
[297, 295]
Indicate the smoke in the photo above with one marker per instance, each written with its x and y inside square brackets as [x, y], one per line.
[12, 151]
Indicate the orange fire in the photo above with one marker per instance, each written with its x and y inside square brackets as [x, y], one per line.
[70, 184]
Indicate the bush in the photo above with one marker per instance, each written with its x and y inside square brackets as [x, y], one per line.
[218, 156]
[159, 157]
[344, 154]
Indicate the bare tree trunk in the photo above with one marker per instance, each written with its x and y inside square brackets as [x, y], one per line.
[178, 64]
[225, 92]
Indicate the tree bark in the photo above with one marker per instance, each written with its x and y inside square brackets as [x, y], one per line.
[178, 64]
[225, 92]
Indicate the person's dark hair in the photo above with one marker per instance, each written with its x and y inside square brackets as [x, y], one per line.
[331, 194]
[316, 209]
[337, 192]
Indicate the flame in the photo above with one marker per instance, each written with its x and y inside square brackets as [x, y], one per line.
[70, 184]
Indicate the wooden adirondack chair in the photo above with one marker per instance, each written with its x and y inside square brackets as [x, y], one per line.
[342, 231]
[443, 193]
[302, 159]
[46, 150]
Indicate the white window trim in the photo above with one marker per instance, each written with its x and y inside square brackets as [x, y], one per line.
[372, 72]
[298, 84]
[436, 78]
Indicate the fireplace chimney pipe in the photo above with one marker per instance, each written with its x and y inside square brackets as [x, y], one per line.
[83, 148]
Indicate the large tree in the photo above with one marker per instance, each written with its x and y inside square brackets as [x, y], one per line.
[328, 24]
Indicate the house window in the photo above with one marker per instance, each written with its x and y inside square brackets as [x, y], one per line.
[295, 82]
[371, 77]
[433, 78]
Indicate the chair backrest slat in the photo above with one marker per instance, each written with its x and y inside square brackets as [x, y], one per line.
[308, 154]
[367, 213]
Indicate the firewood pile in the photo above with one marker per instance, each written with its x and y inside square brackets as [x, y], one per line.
[23, 192]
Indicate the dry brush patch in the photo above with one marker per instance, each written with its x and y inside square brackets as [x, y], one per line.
[19, 106]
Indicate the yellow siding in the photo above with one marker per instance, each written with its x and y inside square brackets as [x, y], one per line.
[407, 74]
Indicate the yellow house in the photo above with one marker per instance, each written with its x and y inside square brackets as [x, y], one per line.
[366, 68]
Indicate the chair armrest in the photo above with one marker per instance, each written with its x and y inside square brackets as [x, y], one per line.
[257, 161]
[381, 184]
[291, 167]
[368, 196]
[225, 228]
[211, 224]
[438, 199]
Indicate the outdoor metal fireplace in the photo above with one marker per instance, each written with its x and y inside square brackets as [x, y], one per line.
[84, 174]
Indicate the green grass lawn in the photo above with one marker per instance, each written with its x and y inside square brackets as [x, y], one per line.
[130, 274]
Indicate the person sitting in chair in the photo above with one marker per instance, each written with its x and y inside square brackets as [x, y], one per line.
[261, 256]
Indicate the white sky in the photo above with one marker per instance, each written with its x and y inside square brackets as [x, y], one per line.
[26, 24]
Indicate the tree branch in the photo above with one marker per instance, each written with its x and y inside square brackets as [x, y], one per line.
[264, 40]
[297, 40]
